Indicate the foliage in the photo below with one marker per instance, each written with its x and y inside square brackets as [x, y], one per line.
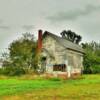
[91, 57]
[12, 71]
[71, 36]
[22, 53]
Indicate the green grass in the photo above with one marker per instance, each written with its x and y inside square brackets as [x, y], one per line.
[14, 86]
[87, 88]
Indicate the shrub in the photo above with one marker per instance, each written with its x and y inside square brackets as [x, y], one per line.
[91, 58]
[87, 70]
[12, 71]
[96, 69]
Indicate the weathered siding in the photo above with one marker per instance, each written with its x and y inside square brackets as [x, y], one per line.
[49, 45]
[57, 54]
[56, 50]
[75, 60]
[60, 53]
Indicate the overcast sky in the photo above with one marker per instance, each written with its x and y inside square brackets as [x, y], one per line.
[19, 16]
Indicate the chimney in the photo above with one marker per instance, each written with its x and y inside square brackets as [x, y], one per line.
[39, 40]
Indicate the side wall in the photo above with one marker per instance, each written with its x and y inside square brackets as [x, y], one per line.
[60, 55]
[57, 51]
[75, 61]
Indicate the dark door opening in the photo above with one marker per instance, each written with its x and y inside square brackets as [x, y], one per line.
[43, 64]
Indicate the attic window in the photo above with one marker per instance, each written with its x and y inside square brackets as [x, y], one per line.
[59, 67]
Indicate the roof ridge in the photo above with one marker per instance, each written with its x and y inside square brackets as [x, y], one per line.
[66, 43]
[61, 38]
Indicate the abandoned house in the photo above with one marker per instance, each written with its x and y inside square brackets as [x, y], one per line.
[58, 55]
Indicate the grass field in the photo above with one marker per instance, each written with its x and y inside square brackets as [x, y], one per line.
[87, 88]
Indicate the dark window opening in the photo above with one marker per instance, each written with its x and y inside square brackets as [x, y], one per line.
[43, 59]
[59, 67]
[43, 64]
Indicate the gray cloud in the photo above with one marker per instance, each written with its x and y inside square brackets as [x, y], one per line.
[28, 27]
[1, 21]
[73, 14]
[17, 16]
[4, 27]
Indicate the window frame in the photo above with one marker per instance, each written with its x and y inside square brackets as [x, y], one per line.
[59, 67]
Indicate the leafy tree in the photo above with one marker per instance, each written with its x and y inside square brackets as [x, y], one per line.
[22, 52]
[91, 57]
[71, 36]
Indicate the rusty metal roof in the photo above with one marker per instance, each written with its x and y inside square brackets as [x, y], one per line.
[64, 42]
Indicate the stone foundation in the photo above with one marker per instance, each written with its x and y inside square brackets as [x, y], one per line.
[57, 75]
[49, 75]
[62, 75]
[75, 75]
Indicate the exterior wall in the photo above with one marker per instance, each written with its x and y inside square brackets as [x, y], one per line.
[49, 45]
[60, 55]
[0, 64]
[75, 60]
[56, 50]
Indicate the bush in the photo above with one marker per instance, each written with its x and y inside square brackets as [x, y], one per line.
[12, 71]
[96, 69]
[87, 70]
[92, 70]
[91, 58]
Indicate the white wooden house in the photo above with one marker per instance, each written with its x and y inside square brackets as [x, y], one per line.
[59, 57]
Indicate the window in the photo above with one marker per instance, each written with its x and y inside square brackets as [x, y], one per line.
[43, 59]
[59, 67]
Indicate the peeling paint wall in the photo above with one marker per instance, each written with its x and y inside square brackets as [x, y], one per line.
[60, 55]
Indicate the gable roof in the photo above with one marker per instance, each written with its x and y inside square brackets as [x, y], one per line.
[65, 43]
